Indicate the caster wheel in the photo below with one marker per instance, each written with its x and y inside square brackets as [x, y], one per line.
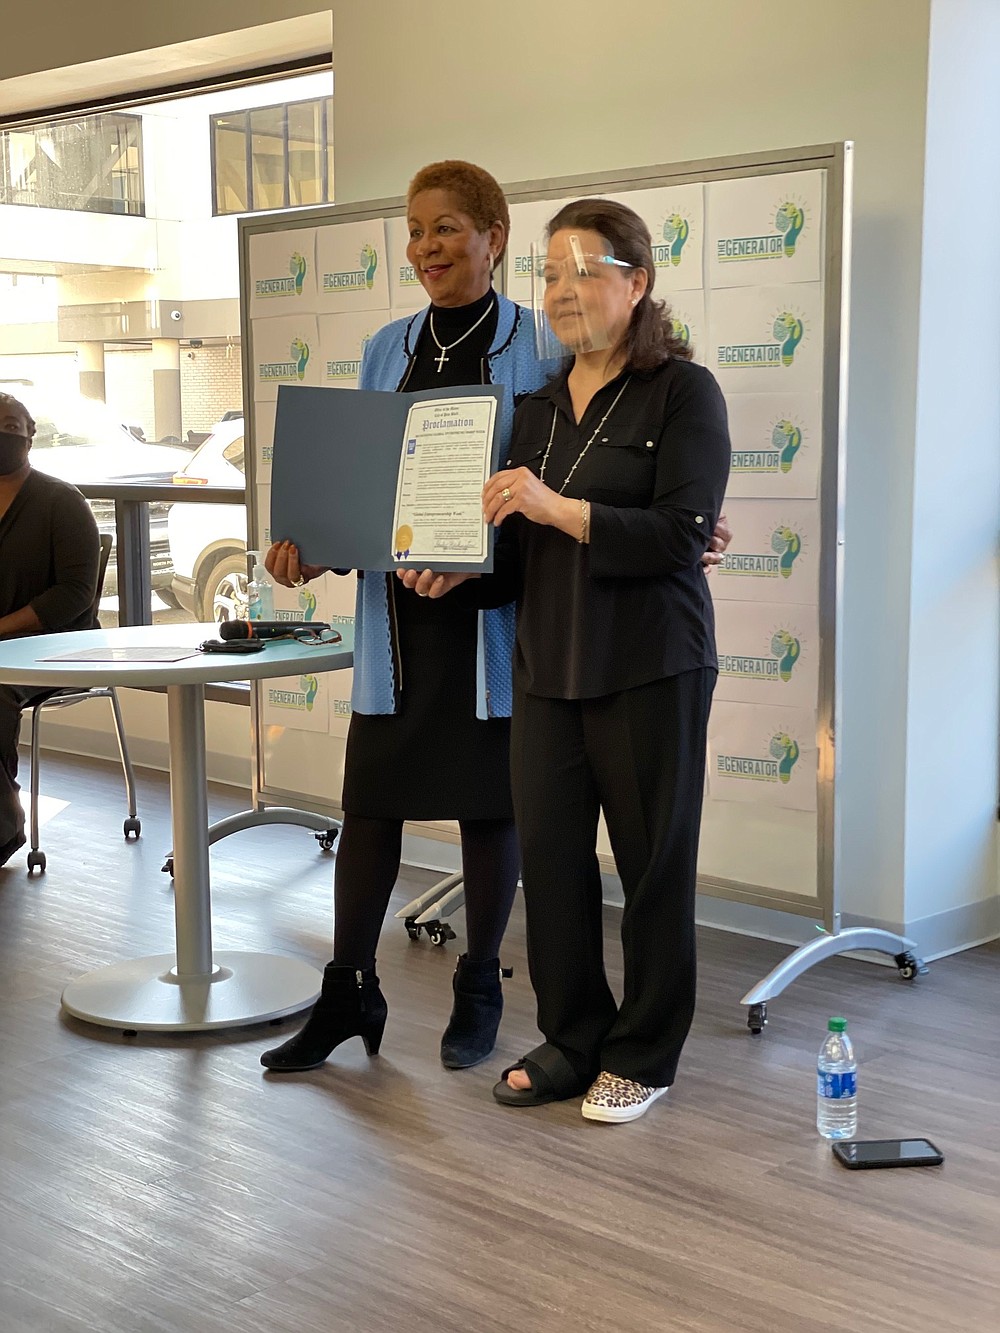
[327, 839]
[168, 867]
[129, 1032]
[131, 826]
[910, 966]
[439, 932]
[757, 1018]
[412, 929]
[36, 861]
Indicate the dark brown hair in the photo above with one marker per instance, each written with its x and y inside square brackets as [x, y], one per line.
[475, 189]
[649, 339]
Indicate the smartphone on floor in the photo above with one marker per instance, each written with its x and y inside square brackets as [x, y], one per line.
[873, 1153]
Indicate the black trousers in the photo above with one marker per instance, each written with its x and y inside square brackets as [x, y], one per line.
[640, 756]
[13, 699]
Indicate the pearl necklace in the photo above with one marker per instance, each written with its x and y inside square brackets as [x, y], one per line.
[600, 427]
[445, 350]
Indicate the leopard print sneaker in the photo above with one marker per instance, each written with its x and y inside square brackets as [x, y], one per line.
[615, 1099]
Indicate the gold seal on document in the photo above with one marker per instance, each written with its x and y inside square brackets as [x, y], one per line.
[404, 540]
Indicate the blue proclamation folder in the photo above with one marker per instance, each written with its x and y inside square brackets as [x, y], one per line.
[335, 469]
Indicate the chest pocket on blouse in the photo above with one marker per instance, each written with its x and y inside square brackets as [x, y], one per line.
[622, 469]
[527, 455]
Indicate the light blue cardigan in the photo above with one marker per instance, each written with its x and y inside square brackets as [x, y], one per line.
[514, 366]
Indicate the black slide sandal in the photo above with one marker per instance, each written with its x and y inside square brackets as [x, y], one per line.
[553, 1079]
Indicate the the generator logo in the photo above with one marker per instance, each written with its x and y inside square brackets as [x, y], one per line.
[785, 442]
[347, 368]
[681, 330]
[775, 765]
[295, 701]
[777, 666]
[290, 286]
[776, 563]
[772, 353]
[789, 223]
[407, 276]
[293, 369]
[675, 231]
[358, 279]
[305, 610]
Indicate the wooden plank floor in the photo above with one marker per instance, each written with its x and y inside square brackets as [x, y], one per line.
[164, 1184]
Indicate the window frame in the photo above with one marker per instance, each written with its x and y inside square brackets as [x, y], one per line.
[323, 148]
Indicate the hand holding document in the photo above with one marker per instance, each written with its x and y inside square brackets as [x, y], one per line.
[367, 480]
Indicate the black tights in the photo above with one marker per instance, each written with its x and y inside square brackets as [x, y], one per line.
[368, 856]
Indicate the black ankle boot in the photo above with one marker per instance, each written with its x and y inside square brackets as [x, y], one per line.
[472, 1029]
[350, 1005]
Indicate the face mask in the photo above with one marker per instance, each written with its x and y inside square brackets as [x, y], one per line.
[13, 452]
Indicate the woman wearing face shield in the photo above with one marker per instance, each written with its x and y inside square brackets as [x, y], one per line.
[616, 477]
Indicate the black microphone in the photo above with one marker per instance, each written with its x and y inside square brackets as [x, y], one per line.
[268, 629]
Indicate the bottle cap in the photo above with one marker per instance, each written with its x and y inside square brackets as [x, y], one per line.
[837, 1025]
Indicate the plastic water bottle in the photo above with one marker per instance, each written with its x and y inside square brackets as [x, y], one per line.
[837, 1084]
[260, 592]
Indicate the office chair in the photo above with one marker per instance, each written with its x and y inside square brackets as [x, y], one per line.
[63, 699]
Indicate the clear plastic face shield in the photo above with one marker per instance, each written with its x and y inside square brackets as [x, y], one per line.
[575, 296]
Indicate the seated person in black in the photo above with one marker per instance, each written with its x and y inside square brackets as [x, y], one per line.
[49, 560]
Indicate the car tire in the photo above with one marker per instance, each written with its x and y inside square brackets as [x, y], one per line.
[222, 592]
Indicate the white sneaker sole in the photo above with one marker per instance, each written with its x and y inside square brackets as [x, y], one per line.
[615, 1115]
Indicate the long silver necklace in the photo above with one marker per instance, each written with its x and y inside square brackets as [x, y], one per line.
[600, 427]
[445, 350]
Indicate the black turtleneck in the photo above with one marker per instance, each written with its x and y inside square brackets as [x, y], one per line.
[465, 361]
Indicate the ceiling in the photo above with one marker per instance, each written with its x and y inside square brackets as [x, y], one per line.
[184, 62]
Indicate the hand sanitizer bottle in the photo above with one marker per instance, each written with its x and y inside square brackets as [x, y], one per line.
[260, 591]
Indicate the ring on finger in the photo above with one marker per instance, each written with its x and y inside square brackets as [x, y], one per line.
[506, 493]
[297, 583]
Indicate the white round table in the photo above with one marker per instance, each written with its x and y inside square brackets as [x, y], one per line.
[190, 990]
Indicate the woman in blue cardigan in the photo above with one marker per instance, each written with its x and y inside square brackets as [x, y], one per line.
[430, 728]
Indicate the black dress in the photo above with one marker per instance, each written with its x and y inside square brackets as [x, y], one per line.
[434, 759]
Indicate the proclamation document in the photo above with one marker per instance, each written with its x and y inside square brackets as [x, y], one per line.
[365, 479]
[443, 467]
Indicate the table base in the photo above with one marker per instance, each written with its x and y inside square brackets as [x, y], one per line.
[142, 995]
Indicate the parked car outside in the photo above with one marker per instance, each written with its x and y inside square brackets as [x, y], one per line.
[208, 543]
[80, 440]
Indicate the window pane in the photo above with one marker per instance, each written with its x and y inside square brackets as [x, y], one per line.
[94, 164]
[267, 130]
[330, 196]
[305, 153]
[231, 164]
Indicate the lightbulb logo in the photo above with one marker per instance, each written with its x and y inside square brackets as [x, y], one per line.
[681, 331]
[300, 355]
[297, 268]
[307, 603]
[309, 685]
[358, 279]
[676, 231]
[786, 751]
[790, 219]
[788, 329]
[779, 244]
[787, 546]
[787, 649]
[787, 439]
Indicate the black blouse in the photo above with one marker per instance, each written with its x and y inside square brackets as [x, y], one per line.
[633, 605]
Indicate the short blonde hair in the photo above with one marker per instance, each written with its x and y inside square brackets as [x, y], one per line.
[475, 189]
